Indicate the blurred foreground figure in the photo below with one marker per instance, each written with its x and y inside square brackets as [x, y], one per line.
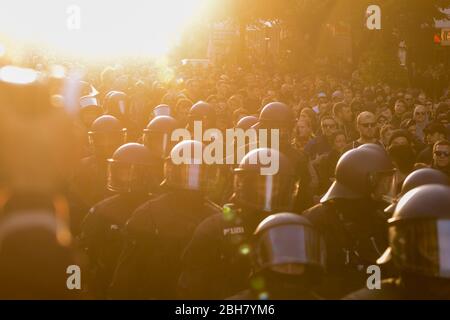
[133, 173]
[419, 238]
[39, 151]
[160, 229]
[288, 259]
[216, 264]
[351, 217]
[35, 252]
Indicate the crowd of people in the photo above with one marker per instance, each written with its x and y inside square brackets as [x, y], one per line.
[363, 180]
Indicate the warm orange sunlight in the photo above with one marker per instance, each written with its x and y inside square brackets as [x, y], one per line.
[97, 29]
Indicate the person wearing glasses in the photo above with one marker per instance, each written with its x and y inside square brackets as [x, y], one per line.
[434, 132]
[366, 124]
[322, 143]
[441, 156]
[421, 118]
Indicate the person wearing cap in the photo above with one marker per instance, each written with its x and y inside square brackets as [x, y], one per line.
[337, 96]
[322, 106]
[419, 233]
[433, 132]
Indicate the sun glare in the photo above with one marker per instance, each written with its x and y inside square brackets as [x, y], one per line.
[103, 28]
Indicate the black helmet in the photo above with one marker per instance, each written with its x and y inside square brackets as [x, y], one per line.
[89, 102]
[287, 243]
[89, 110]
[364, 172]
[116, 104]
[276, 115]
[419, 178]
[157, 135]
[184, 169]
[133, 168]
[246, 122]
[106, 135]
[202, 111]
[258, 189]
[419, 232]
[161, 110]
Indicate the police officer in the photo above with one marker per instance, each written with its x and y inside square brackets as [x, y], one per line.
[162, 110]
[246, 122]
[416, 179]
[202, 112]
[89, 111]
[277, 115]
[116, 103]
[216, 263]
[419, 234]
[160, 229]
[133, 173]
[157, 135]
[288, 259]
[224, 182]
[351, 218]
[88, 185]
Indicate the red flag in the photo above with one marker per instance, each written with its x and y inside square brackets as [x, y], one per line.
[437, 39]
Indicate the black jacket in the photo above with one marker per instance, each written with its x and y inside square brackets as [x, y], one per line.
[102, 237]
[156, 236]
[351, 247]
[216, 263]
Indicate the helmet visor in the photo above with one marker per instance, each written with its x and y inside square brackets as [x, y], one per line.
[422, 248]
[125, 177]
[385, 186]
[158, 142]
[186, 176]
[107, 141]
[268, 193]
[283, 247]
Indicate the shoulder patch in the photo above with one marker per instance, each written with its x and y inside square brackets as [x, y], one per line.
[233, 230]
